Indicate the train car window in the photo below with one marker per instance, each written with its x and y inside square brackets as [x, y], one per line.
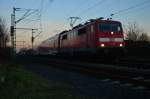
[92, 28]
[82, 31]
[75, 33]
[64, 37]
[70, 35]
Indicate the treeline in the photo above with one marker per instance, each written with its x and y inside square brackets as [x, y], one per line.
[137, 40]
[134, 32]
[4, 39]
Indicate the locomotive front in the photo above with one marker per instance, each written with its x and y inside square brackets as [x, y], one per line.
[110, 38]
[110, 34]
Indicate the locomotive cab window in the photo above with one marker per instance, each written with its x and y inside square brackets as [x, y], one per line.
[82, 31]
[110, 27]
[64, 37]
[115, 27]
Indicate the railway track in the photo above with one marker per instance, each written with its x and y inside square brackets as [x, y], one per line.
[124, 74]
[137, 63]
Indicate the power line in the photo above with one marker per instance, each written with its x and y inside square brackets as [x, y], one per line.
[139, 9]
[131, 7]
[77, 7]
[49, 3]
[93, 6]
[144, 7]
[73, 10]
[40, 15]
[41, 5]
[110, 4]
[26, 15]
[89, 8]
[41, 9]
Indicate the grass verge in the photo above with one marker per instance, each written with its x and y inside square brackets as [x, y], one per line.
[17, 83]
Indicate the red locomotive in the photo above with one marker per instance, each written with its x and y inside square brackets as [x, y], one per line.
[96, 36]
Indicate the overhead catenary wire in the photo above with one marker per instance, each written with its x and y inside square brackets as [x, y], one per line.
[27, 14]
[89, 8]
[40, 15]
[131, 7]
[41, 7]
[46, 6]
[142, 9]
[41, 11]
[77, 7]
[93, 6]
[135, 10]
[73, 10]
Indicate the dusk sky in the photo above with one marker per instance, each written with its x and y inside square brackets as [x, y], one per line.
[55, 13]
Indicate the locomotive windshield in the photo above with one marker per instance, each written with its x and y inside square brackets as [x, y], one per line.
[110, 27]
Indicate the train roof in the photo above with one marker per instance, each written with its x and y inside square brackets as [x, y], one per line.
[89, 22]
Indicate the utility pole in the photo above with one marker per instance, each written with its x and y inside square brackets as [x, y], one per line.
[73, 20]
[13, 32]
[14, 22]
[32, 38]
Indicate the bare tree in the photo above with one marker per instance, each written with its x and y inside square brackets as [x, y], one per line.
[135, 33]
[3, 33]
[144, 37]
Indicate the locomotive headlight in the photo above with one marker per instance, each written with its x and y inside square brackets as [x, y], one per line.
[112, 33]
[121, 45]
[102, 45]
